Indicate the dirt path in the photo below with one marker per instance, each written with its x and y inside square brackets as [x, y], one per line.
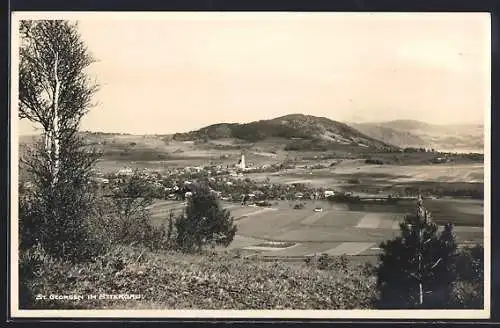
[259, 211]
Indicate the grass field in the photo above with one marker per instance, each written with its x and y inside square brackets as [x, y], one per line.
[338, 229]
[379, 174]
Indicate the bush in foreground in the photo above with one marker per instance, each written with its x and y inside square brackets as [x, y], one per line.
[57, 215]
[468, 290]
[125, 218]
[181, 281]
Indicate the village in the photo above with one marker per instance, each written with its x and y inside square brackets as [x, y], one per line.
[227, 183]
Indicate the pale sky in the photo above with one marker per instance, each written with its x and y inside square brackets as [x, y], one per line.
[175, 72]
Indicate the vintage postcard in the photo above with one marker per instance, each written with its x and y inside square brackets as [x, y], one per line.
[250, 165]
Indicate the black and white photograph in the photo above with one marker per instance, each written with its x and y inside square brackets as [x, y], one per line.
[250, 165]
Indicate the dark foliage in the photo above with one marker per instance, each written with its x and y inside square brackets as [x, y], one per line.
[341, 197]
[57, 216]
[204, 222]
[469, 287]
[374, 161]
[125, 218]
[417, 268]
[298, 206]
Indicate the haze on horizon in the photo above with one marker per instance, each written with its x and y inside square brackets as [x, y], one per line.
[182, 71]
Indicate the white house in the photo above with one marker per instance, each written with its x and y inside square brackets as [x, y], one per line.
[125, 171]
[102, 180]
[329, 193]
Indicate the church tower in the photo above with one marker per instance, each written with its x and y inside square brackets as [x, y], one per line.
[242, 162]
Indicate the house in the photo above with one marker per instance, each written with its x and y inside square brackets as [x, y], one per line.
[101, 180]
[328, 193]
[125, 171]
[215, 193]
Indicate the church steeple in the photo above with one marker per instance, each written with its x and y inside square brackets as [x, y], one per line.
[241, 162]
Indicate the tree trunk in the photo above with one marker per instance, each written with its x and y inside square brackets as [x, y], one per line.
[421, 294]
[55, 124]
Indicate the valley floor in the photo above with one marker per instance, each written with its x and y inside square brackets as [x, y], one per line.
[280, 231]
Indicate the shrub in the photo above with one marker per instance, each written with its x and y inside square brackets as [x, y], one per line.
[374, 161]
[263, 203]
[125, 219]
[469, 287]
[56, 213]
[339, 264]
[298, 206]
[204, 222]
[42, 274]
[323, 261]
[318, 167]
[470, 264]
[467, 295]
[341, 197]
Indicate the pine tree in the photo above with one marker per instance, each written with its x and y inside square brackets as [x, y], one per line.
[417, 268]
[204, 222]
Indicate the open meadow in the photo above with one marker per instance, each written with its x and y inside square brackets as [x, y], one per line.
[347, 170]
[282, 231]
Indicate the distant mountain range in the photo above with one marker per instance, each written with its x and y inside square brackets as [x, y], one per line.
[412, 133]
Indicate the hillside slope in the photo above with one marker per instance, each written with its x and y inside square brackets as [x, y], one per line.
[410, 133]
[297, 131]
[262, 141]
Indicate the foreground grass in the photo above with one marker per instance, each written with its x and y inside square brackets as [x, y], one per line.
[214, 281]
